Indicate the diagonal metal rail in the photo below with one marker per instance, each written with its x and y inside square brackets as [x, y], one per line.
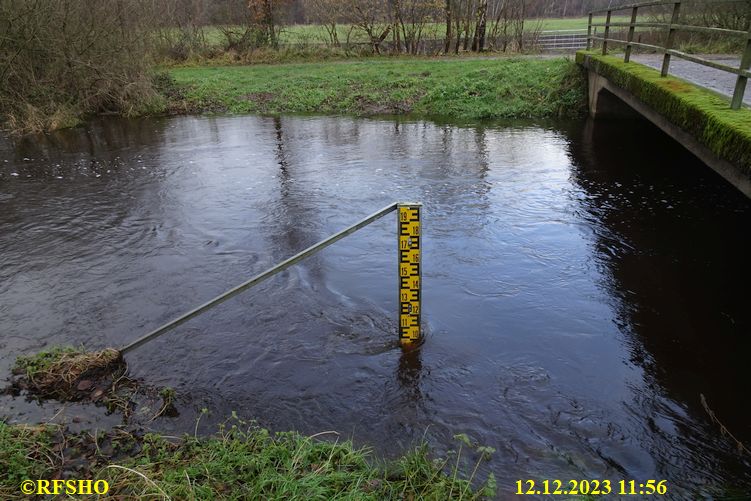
[259, 278]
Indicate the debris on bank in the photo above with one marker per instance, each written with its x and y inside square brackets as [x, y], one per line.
[74, 375]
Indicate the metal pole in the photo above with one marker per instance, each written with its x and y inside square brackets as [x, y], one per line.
[259, 278]
[607, 34]
[627, 57]
[589, 32]
[410, 297]
[671, 37]
[740, 83]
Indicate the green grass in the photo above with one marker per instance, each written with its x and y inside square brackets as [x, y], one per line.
[455, 88]
[20, 448]
[31, 365]
[239, 462]
[706, 115]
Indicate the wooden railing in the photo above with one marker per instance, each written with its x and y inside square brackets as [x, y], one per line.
[671, 28]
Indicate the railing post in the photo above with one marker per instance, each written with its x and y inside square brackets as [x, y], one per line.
[740, 83]
[671, 37]
[589, 32]
[627, 57]
[607, 34]
[408, 231]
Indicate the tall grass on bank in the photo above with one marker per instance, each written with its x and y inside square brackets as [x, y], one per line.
[239, 462]
[455, 88]
[63, 59]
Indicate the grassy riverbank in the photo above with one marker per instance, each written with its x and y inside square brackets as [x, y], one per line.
[239, 462]
[454, 88]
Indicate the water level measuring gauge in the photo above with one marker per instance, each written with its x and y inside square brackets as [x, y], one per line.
[409, 272]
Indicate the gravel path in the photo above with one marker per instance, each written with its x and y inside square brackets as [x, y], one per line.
[710, 78]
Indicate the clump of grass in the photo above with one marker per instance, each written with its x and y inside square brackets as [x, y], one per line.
[23, 453]
[71, 375]
[168, 408]
[66, 373]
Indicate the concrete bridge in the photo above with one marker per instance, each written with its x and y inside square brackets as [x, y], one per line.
[714, 127]
[704, 125]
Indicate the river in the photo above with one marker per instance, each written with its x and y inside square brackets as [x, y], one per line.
[584, 283]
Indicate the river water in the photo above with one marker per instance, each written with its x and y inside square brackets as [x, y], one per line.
[584, 284]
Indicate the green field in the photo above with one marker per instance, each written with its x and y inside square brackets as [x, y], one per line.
[310, 32]
[316, 34]
[461, 89]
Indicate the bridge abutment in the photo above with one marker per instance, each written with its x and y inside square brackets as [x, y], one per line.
[603, 103]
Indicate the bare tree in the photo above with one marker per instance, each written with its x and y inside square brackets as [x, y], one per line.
[447, 44]
[369, 17]
[733, 16]
[500, 25]
[411, 18]
[478, 42]
[327, 13]
[268, 17]
[458, 13]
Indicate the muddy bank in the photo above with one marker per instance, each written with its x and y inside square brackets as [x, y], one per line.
[100, 377]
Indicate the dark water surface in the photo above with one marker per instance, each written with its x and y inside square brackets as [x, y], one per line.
[583, 285]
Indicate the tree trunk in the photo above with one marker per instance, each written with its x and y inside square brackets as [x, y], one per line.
[447, 45]
[458, 35]
[482, 11]
[269, 21]
[467, 22]
[396, 23]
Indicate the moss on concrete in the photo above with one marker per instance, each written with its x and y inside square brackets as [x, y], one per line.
[703, 113]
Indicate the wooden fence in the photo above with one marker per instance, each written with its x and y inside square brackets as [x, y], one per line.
[670, 29]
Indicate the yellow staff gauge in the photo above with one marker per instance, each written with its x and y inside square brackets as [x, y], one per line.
[410, 296]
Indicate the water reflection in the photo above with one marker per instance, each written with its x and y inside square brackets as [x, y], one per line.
[409, 372]
[667, 237]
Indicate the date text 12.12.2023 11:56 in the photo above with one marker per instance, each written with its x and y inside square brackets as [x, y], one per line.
[593, 487]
